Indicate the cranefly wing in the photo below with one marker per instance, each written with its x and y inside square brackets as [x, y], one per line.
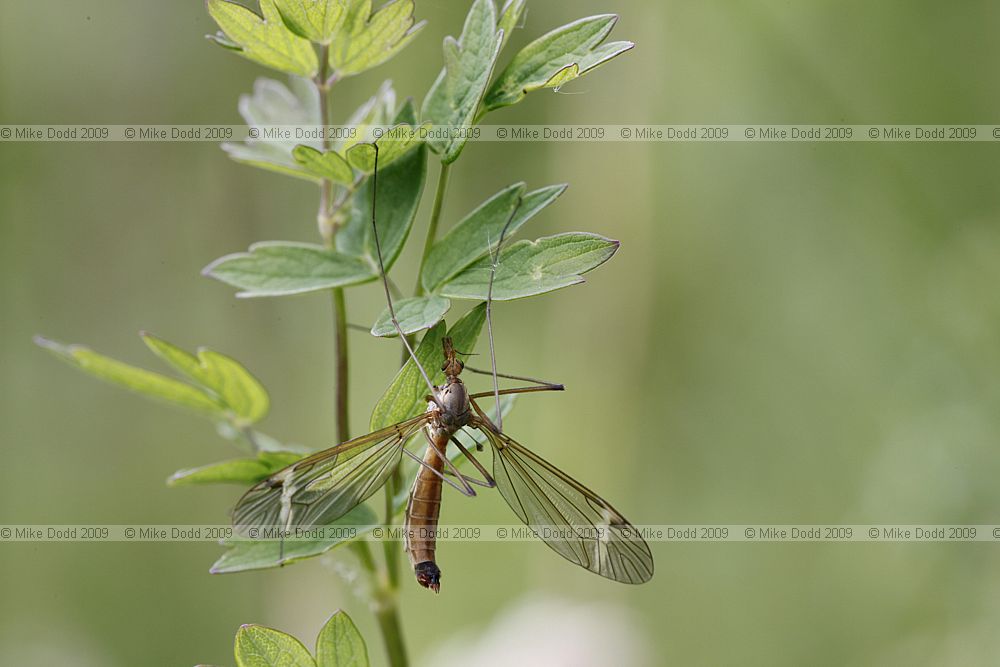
[577, 523]
[321, 488]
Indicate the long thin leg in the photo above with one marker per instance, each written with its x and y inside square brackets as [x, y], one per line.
[487, 481]
[514, 377]
[518, 390]
[465, 489]
[489, 309]
[481, 422]
[385, 285]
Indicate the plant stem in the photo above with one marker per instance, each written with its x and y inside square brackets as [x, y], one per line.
[392, 633]
[384, 604]
[391, 551]
[340, 338]
[328, 230]
[442, 187]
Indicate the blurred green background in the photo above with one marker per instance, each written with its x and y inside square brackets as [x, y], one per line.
[790, 333]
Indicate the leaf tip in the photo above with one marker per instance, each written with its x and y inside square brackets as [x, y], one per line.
[209, 270]
[42, 341]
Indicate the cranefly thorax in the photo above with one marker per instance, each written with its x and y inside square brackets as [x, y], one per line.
[454, 410]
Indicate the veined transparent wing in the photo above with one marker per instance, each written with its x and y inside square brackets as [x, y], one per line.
[578, 524]
[321, 488]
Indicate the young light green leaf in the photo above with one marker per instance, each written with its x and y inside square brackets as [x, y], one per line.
[339, 643]
[393, 144]
[264, 40]
[322, 164]
[468, 64]
[315, 20]
[400, 186]
[222, 376]
[365, 40]
[235, 471]
[527, 268]
[182, 360]
[556, 58]
[262, 554]
[413, 314]
[379, 109]
[136, 379]
[271, 104]
[509, 17]
[479, 232]
[404, 397]
[258, 646]
[237, 388]
[279, 268]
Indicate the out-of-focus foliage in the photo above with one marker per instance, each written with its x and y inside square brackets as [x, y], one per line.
[792, 333]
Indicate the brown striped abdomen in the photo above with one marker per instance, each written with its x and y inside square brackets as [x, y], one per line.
[422, 512]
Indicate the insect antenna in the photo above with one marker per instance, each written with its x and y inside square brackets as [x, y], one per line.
[494, 261]
[385, 283]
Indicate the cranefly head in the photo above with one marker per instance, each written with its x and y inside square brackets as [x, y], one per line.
[452, 365]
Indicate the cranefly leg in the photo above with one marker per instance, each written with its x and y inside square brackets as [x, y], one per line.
[517, 390]
[487, 481]
[464, 488]
[385, 285]
[541, 383]
[494, 260]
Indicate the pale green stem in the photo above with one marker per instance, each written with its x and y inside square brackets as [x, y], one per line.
[432, 227]
[384, 604]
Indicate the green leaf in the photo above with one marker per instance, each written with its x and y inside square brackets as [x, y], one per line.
[279, 268]
[479, 232]
[272, 103]
[405, 396]
[400, 186]
[136, 379]
[413, 314]
[509, 17]
[315, 20]
[556, 58]
[455, 95]
[235, 471]
[365, 40]
[246, 555]
[396, 142]
[237, 388]
[223, 376]
[258, 646]
[527, 268]
[322, 164]
[264, 40]
[379, 109]
[339, 643]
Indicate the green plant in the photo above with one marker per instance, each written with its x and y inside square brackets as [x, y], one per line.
[318, 43]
